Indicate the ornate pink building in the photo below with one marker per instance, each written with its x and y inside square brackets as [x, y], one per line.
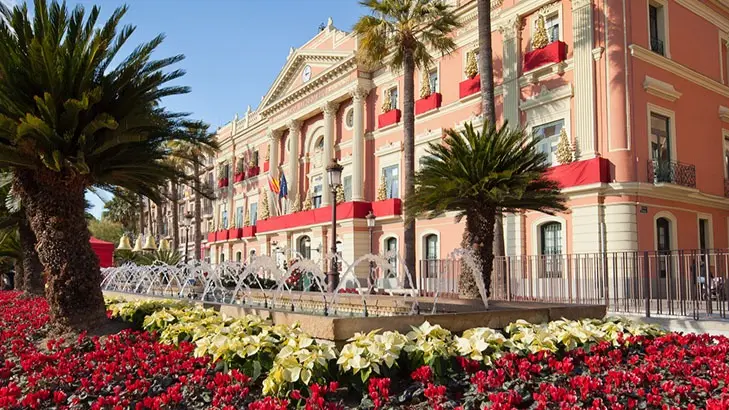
[640, 88]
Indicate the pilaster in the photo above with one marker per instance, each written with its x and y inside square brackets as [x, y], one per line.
[359, 95]
[330, 115]
[510, 32]
[584, 78]
[292, 179]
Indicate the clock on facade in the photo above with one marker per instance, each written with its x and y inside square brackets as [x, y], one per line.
[306, 75]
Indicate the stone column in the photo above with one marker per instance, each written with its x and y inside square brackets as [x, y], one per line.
[510, 33]
[358, 98]
[292, 179]
[584, 78]
[273, 138]
[330, 127]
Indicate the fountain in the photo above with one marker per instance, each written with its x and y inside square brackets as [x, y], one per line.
[297, 293]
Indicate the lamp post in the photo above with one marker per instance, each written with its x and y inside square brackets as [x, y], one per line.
[371, 227]
[334, 171]
[186, 225]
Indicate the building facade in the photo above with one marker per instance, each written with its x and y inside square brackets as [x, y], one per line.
[639, 87]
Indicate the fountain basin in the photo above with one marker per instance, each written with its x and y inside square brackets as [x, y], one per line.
[455, 315]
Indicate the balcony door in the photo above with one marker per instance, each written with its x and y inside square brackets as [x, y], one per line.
[661, 148]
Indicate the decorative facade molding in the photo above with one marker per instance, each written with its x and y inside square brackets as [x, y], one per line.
[550, 9]
[578, 4]
[724, 113]
[661, 89]
[330, 108]
[510, 28]
[390, 148]
[547, 96]
[597, 53]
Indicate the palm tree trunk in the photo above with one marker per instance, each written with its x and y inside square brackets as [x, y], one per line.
[150, 220]
[55, 205]
[486, 62]
[409, 156]
[197, 229]
[480, 226]
[141, 215]
[32, 268]
[174, 203]
[159, 220]
[467, 288]
[19, 277]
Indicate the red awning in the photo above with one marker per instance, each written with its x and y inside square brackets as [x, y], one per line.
[104, 250]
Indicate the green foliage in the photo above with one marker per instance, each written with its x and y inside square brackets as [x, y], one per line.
[106, 230]
[399, 25]
[158, 257]
[122, 209]
[492, 168]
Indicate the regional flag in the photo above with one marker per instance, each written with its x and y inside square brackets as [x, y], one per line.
[273, 184]
[284, 187]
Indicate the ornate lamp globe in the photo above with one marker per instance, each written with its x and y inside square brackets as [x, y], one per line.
[335, 173]
[138, 244]
[150, 244]
[124, 244]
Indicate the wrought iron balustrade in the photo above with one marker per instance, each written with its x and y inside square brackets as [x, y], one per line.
[657, 46]
[672, 172]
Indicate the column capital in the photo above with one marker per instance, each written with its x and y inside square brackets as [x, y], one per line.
[330, 108]
[510, 28]
[294, 126]
[359, 92]
[273, 134]
[578, 4]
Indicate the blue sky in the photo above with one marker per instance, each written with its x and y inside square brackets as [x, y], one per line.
[234, 49]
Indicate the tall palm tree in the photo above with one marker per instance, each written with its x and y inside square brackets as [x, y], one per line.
[191, 155]
[474, 173]
[402, 32]
[70, 120]
[122, 208]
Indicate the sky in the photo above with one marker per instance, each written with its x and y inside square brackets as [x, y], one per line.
[234, 49]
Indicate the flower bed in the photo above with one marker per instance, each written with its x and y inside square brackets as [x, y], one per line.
[195, 358]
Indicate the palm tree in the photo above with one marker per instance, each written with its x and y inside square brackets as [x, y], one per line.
[122, 208]
[70, 120]
[402, 32]
[185, 155]
[474, 173]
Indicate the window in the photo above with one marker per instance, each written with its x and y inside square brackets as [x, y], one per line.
[391, 246]
[223, 217]
[468, 56]
[319, 144]
[305, 247]
[726, 157]
[433, 79]
[349, 118]
[181, 211]
[549, 136]
[238, 256]
[431, 255]
[392, 95]
[316, 198]
[551, 23]
[550, 235]
[222, 258]
[226, 170]
[252, 255]
[239, 217]
[663, 244]
[656, 27]
[254, 213]
[347, 186]
[392, 181]
[660, 138]
[254, 158]
[704, 234]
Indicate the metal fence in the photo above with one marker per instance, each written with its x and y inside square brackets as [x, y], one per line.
[688, 283]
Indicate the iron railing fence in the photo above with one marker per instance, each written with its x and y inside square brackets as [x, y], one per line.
[672, 172]
[687, 283]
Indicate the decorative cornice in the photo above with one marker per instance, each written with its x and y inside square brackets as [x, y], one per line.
[678, 69]
[395, 146]
[661, 89]
[547, 96]
[706, 12]
[724, 113]
[578, 4]
[550, 9]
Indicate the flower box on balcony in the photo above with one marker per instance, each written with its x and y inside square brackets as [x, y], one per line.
[388, 207]
[590, 171]
[252, 171]
[221, 235]
[469, 86]
[248, 231]
[239, 177]
[553, 53]
[388, 118]
[428, 103]
[235, 233]
[211, 237]
[347, 210]
[266, 166]
[222, 182]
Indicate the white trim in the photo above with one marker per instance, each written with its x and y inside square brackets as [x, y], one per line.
[678, 69]
[537, 237]
[546, 96]
[673, 227]
[706, 12]
[424, 246]
[724, 113]
[663, 4]
[710, 238]
[661, 89]
[383, 242]
[655, 109]
[724, 61]
[344, 118]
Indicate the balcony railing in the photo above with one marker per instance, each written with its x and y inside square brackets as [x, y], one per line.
[657, 46]
[672, 172]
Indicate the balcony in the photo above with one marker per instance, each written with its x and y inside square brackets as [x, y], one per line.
[672, 172]
[657, 46]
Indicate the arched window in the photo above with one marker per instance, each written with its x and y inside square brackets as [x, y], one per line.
[431, 255]
[238, 256]
[319, 144]
[391, 245]
[222, 258]
[663, 245]
[305, 247]
[251, 255]
[550, 235]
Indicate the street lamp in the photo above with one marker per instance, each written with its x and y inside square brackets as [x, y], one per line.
[334, 171]
[186, 225]
[371, 227]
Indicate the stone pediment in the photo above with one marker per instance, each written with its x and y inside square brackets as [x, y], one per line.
[291, 76]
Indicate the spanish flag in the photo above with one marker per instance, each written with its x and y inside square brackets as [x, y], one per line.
[274, 184]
